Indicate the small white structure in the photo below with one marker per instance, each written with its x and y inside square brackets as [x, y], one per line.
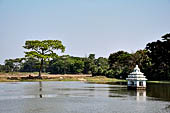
[136, 79]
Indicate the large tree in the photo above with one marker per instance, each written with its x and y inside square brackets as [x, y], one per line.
[43, 50]
[120, 63]
[159, 52]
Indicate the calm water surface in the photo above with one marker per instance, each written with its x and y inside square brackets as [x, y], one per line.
[81, 97]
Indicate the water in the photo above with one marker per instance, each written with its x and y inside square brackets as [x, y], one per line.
[81, 97]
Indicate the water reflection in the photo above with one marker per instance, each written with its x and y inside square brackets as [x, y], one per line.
[121, 91]
[141, 95]
[115, 90]
[40, 89]
[161, 91]
[157, 91]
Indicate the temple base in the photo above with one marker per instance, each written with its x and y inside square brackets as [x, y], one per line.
[136, 88]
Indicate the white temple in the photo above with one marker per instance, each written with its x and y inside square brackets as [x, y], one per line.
[136, 79]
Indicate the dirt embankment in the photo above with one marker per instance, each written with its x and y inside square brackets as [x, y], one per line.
[17, 76]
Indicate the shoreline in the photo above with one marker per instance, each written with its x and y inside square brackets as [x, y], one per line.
[32, 77]
[25, 77]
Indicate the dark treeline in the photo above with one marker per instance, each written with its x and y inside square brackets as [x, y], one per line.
[154, 62]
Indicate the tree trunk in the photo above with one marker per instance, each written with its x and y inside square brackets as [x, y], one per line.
[41, 66]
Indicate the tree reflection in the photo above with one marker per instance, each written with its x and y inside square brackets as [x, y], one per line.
[40, 89]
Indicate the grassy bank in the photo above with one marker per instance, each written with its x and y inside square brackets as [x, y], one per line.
[159, 82]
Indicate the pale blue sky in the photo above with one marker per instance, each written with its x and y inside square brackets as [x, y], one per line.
[84, 26]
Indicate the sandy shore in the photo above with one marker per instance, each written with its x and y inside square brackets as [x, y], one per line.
[44, 75]
[32, 77]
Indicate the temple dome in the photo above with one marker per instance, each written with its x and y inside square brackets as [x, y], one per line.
[136, 71]
[136, 74]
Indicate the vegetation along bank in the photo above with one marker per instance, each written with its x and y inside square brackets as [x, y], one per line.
[154, 61]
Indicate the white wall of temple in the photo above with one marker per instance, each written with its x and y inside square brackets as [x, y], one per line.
[144, 83]
[137, 83]
[129, 83]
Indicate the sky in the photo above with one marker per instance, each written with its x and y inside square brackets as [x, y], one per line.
[101, 27]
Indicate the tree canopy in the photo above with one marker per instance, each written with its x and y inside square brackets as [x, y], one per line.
[43, 50]
[159, 53]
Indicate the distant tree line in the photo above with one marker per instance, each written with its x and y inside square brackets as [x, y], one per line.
[154, 62]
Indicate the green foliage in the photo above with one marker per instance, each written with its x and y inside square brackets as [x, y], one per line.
[9, 65]
[159, 52]
[43, 50]
[30, 65]
[89, 64]
[2, 68]
[13, 65]
[101, 66]
[96, 67]
[66, 65]
[76, 65]
[142, 59]
[166, 37]
[121, 64]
